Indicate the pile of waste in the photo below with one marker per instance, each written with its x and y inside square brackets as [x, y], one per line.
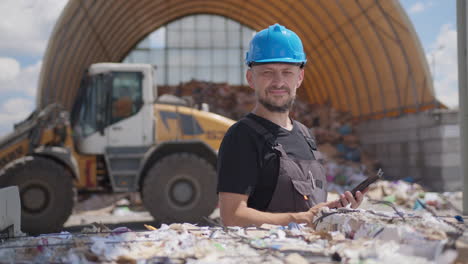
[391, 237]
[344, 235]
[413, 196]
[392, 233]
[229, 101]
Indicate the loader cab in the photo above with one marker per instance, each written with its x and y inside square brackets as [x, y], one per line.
[114, 108]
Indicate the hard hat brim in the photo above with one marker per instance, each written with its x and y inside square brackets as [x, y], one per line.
[297, 62]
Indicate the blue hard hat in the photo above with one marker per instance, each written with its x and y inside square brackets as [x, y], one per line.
[276, 44]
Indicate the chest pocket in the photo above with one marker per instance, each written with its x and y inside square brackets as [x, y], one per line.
[302, 195]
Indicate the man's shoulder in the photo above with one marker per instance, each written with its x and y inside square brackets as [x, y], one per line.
[241, 132]
[239, 127]
[237, 133]
[245, 124]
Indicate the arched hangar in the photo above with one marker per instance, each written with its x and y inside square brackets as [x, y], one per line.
[363, 55]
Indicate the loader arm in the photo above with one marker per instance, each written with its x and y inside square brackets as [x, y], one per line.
[47, 127]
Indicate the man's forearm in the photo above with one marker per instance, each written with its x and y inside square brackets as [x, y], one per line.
[246, 216]
[235, 212]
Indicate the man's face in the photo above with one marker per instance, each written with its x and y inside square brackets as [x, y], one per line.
[275, 84]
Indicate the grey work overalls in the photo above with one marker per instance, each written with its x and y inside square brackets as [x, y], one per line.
[301, 183]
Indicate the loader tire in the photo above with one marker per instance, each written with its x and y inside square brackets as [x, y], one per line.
[180, 188]
[46, 192]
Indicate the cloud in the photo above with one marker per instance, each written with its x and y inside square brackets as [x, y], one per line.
[443, 61]
[17, 105]
[9, 69]
[25, 25]
[13, 111]
[23, 83]
[15, 78]
[419, 7]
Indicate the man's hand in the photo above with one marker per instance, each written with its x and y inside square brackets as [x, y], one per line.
[308, 216]
[348, 198]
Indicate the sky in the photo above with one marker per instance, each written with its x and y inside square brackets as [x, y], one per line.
[25, 26]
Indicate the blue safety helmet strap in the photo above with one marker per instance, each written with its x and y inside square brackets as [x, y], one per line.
[276, 44]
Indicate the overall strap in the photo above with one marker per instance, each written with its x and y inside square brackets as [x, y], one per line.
[270, 139]
[305, 132]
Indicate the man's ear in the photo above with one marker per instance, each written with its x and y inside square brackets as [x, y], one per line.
[301, 78]
[248, 76]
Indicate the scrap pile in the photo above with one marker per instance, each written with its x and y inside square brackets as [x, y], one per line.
[229, 101]
[391, 237]
[345, 235]
[347, 163]
[413, 196]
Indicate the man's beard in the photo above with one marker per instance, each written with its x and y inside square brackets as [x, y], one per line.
[277, 108]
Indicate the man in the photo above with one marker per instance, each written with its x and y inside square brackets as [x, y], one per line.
[268, 170]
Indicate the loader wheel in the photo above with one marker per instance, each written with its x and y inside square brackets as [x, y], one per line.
[46, 193]
[180, 188]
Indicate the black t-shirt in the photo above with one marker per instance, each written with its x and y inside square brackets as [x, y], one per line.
[247, 164]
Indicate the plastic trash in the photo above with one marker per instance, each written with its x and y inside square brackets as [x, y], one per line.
[390, 198]
[459, 218]
[418, 205]
[120, 230]
[294, 225]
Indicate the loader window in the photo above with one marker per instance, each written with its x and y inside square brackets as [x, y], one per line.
[92, 112]
[127, 98]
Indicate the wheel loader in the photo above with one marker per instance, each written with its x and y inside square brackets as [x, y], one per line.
[118, 137]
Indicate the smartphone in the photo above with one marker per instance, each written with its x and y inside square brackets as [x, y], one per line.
[365, 183]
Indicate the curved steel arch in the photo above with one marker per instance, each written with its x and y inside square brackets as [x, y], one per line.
[96, 31]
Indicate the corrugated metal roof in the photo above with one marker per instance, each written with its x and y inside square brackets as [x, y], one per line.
[363, 56]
